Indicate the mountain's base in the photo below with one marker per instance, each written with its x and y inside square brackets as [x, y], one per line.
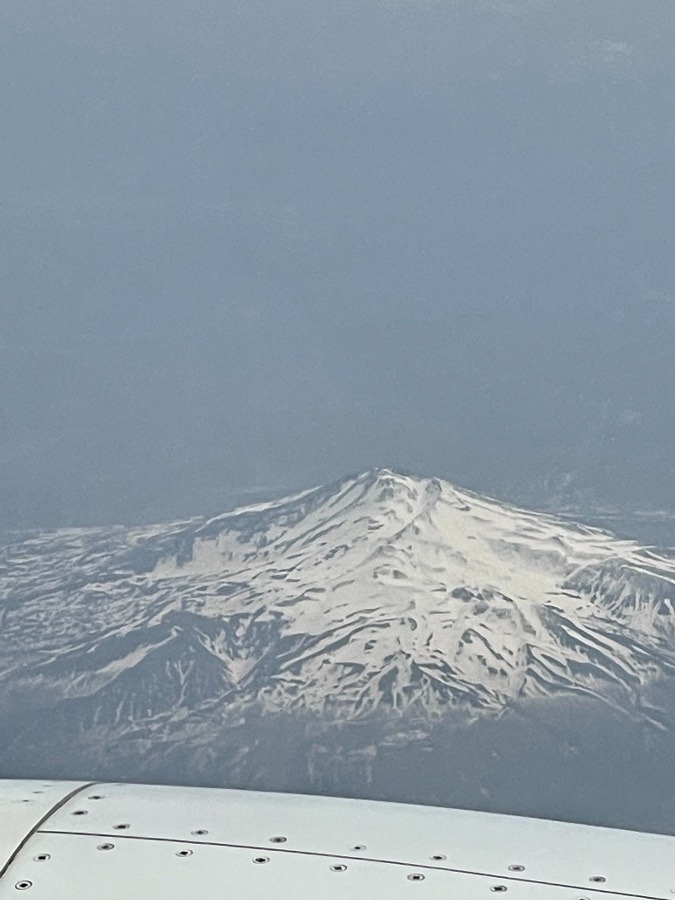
[571, 759]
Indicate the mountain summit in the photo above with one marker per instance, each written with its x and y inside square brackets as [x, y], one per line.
[379, 592]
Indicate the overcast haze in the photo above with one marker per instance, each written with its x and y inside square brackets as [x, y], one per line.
[251, 246]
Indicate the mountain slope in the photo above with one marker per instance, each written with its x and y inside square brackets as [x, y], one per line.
[379, 592]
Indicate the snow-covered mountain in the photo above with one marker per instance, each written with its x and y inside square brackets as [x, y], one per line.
[385, 636]
[382, 592]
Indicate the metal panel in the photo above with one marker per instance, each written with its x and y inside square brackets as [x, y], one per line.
[73, 868]
[127, 841]
[502, 847]
[23, 805]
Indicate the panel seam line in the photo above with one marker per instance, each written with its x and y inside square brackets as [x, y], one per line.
[36, 828]
[605, 891]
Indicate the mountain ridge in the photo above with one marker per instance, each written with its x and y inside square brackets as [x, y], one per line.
[379, 591]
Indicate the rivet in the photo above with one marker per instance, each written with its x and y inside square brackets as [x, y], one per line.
[80, 812]
[106, 847]
[516, 868]
[416, 876]
[121, 827]
[598, 879]
[95, 797]
[339, 867]
[279, 839]
[184, 853]
[200, 831]
[23, 885]
[499, 888]
[359, 847]
[261, 859]
[42, 857]
[438, 857]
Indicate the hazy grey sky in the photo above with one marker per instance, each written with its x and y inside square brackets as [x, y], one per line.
[258, 244]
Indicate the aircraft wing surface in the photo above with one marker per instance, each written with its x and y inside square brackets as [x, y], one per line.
[63, 840]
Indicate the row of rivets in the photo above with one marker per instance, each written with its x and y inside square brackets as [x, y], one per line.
[280, 839]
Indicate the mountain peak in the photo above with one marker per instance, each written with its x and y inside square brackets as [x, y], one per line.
[382, 598]
[460, 599]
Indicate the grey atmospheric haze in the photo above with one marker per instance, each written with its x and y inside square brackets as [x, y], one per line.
[250, 247]
[336, 399]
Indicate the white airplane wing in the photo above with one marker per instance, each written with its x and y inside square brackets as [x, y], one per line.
[69, 840]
